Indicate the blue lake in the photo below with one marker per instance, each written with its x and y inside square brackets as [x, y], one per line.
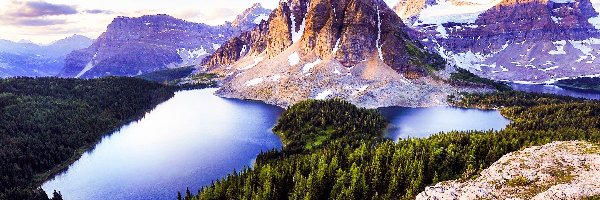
[196, 138]
[190, 140]
[422, 122]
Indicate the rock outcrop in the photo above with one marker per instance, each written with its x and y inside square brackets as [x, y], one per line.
[357, 50]
[531, 41]
[133, 46]
[559, 170]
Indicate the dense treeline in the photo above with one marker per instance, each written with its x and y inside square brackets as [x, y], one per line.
[463, 77]
[168, 76]
[582, 83]
[511, 99]
[390, 170]
[312, 123]
[182, 78]
[46, 123]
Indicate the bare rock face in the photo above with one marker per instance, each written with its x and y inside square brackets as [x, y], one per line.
[407, 9]
[133, 46]
[357, 50]
[560, 170]
[358, 29]
[531, 41]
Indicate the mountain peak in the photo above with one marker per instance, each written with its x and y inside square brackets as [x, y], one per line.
[24, 41]
[357, 50]
[256, 5]
[250, 17]
[138, 45]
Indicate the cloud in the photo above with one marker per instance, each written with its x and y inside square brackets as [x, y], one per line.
[208, 14]
[38, 9]
[38, 22]
[97, 11]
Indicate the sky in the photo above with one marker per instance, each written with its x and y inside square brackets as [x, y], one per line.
[43, 21]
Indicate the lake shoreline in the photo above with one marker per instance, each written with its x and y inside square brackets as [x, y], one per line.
[40, 179]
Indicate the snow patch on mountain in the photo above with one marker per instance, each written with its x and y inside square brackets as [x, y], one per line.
[87, 67]
[323, 95]
[294, 59]
[191, 56]
[444, 11]
[337, 46]
[308, 66]
[256, 61]
[469, 60]
[260, 18]
[560, 48]
[297, 35]
[378, 41]
[595, 20]
[254, 82]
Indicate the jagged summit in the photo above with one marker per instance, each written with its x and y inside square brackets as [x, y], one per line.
[356, 30]
[357, 50]
[250, 17]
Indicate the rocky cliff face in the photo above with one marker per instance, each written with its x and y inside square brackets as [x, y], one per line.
[560, 170]
[133, 46]
[357, 50]
[356, 29]
[28, 59]
[529, 41]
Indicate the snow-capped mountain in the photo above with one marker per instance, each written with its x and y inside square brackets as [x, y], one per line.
[357, 50]
[525, 41]
[251, 17]
[25, 58]
[134, 46]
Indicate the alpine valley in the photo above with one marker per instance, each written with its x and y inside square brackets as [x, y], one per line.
[300, 99]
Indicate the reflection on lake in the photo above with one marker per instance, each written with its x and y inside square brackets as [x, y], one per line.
[423, 122]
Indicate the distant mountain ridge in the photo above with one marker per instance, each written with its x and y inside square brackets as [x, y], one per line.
[524, 41]
[139, 45]
[24, 58]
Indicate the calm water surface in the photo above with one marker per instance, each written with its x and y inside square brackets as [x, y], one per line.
[423, 122]
[190, 140]
[196, 137]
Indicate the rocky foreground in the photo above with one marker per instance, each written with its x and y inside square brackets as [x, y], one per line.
[560, 170]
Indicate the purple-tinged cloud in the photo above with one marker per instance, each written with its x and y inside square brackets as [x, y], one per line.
[96, 11]
[38, 22]
[39, 9]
